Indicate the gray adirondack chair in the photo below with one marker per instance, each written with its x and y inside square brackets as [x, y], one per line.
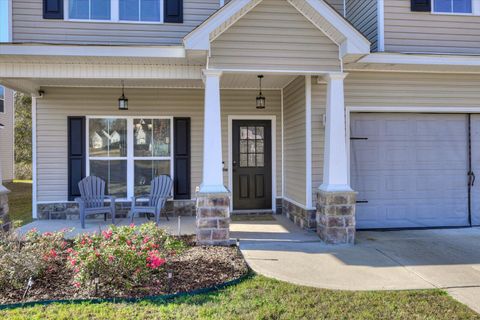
[160, 191]
[92, 199]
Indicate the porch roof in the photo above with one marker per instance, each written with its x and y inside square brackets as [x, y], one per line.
[351, 42]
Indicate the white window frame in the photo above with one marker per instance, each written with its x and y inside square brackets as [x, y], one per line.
[114, 14]
[130, 149]
[3, 99]
[475, 10]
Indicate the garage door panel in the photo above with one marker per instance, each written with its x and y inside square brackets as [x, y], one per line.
[475, 137]
[413, 172]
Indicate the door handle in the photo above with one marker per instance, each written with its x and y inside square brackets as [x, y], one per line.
[234, 163]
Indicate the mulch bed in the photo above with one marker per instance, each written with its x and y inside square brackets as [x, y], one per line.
[197, 267]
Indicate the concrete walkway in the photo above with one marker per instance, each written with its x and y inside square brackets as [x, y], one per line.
[423, 259]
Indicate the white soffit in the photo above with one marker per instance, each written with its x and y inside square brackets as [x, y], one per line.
[324, 17]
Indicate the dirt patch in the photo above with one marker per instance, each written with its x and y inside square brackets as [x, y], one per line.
[195, 268]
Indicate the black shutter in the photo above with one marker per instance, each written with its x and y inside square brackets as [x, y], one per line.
[76, 155]
[52, 9]
[181, 185]
[173, 11]
[421, 5]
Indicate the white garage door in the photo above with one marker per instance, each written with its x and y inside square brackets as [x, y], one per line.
[410, 169]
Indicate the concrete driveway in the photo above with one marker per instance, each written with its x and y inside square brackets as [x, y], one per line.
[422, 259]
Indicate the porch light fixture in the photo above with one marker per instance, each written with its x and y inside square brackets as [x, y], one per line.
[122, 101]
[260, 97]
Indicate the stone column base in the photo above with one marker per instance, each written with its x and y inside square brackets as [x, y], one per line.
[213, 219]
[5, 223]
[336, 216]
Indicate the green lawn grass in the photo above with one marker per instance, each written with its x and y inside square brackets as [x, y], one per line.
[20, 201]
[264, 298]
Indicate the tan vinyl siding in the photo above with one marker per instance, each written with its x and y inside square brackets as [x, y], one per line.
[412, 90]
[294, 141]
[363, 15]
[29, 26]
[274, 35]
[318, 134]
[59, 103]
[407, 31]
[7, 137]
[337, 5]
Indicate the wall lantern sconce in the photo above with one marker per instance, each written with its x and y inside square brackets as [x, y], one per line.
[122, 101]
[260, 98]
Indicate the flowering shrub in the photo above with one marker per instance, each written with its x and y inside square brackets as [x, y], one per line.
[121, 257]
[30, 256]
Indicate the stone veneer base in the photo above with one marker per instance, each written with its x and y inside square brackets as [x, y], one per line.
[303, 218]
[336, 217]
[69, 210]
[213, 219]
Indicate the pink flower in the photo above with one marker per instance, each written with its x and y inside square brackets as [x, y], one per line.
[132, 225]
[107, 234]
[76, 284]
[47, 234]
[111, 258]
[53, 253]
[73, 262]
[146, 239]
[69, 250]
[154, 261]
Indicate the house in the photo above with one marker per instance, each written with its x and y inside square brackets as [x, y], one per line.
[342, 115]
[7, 163]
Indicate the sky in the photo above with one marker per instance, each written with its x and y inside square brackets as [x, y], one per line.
[3, 20]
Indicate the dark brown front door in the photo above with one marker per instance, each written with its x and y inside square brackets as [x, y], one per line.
[252, 164]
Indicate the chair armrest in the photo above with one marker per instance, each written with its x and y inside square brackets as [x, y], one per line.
[135, 198]
[79, 200]
[111, 198]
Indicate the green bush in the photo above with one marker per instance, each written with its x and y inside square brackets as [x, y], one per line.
[121, 257]
[23, 170]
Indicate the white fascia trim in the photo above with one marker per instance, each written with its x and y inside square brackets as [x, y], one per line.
[94, 51]
[199, 38]
[34, 158]
[421, 59]
[380, 25]
[355, 42]
[308, 140]
[298, 204]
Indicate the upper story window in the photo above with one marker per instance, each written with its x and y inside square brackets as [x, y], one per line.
[90, 9]
[148, 11]
[453, 6]
[140, 10]
[2, 99]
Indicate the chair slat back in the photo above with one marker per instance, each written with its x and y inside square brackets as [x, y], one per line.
[92, 191]
[161, 188]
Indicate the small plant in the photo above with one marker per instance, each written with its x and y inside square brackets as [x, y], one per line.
[121, 257]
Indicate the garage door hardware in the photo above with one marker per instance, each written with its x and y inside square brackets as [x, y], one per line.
[471, 178]
[358, 138]
[361, 201]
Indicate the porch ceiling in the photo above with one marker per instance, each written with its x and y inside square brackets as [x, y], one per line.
[228, 81]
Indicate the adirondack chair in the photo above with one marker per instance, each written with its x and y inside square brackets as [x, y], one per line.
[160, 191]
[92, 199]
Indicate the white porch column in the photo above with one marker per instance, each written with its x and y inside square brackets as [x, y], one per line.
[335, 169]
[213, 199]
[212, 181]
[335, 199]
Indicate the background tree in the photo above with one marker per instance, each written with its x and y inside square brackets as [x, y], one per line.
[23, 136]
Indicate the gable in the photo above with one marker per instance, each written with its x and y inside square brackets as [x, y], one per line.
[274, 36]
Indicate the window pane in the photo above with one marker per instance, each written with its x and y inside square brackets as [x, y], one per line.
[100, 9]
[146, 170]
[108, 137]
[2, 93]
[129, 10]
[2, 107]
[151, 137]
[260, 160]
[443, 6]
[150, 10]
[114, 173]
[79, 9]
[462, 6]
